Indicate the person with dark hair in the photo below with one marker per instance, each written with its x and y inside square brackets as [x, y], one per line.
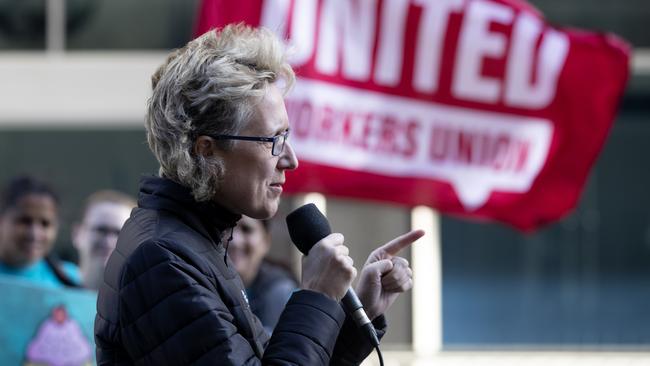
[29, 221]
[268, 284]
[95, 235]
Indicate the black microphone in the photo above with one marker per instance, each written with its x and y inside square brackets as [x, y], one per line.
[307, 226]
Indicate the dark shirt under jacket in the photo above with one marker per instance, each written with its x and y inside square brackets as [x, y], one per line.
[269, 293]
[171, 297]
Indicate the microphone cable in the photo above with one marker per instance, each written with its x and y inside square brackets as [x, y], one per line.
[381, 358]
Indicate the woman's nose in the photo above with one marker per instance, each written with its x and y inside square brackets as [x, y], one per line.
[288, 159]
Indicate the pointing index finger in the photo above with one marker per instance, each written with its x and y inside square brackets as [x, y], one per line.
[396, 245]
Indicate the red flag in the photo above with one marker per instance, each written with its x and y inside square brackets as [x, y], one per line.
[477, 108]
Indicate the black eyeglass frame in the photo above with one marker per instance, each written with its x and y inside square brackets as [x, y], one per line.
[275, 140]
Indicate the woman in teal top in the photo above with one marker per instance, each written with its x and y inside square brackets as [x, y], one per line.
[28, 227]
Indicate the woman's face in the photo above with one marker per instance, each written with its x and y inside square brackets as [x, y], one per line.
[253, 177]
[28, 230]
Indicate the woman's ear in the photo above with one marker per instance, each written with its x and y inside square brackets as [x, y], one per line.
[204, 146]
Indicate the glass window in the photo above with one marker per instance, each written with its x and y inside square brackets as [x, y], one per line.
[628, 19]
[128, 24]
[22, 24]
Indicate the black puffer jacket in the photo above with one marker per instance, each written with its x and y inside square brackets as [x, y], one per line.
[171, 297]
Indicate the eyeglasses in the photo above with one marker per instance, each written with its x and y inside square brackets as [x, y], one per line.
[277, 140]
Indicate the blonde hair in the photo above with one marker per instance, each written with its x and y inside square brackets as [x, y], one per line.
[210, 87]
[107, 196]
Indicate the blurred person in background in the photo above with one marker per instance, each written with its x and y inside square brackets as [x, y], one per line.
[95, 236]
[268, 284]
[29, 222]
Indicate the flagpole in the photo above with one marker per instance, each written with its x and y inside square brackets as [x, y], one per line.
[427, 285]
[55, 26]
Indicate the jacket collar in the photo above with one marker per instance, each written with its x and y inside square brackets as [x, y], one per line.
[208, 218]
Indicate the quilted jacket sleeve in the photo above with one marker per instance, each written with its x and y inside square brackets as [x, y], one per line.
[352, 346]
[171, 313]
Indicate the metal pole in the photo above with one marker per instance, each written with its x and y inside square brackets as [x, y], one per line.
[427, 285]
[55, 26]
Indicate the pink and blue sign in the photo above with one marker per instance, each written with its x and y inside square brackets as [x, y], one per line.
[46, 326]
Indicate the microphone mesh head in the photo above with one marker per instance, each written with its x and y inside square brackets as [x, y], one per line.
[307, 225]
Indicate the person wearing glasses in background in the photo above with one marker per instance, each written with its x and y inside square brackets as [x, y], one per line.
[95, 236]
[217, 124]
